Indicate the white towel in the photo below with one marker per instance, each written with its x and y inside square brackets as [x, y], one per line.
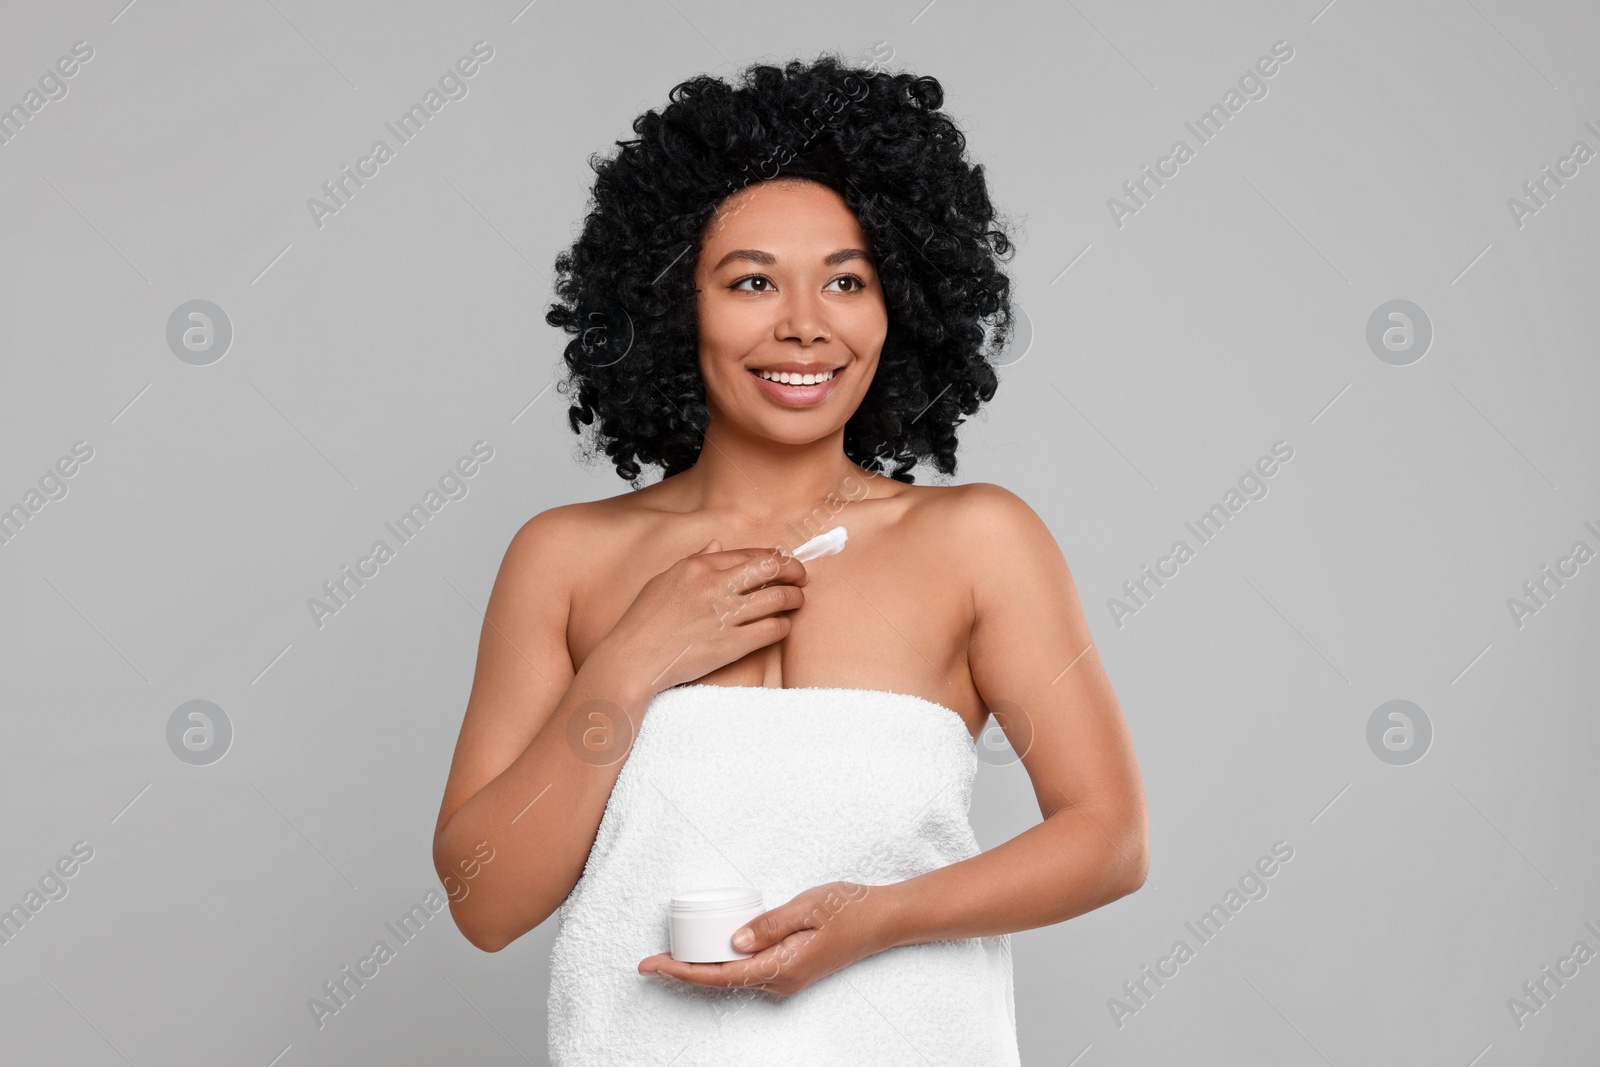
[783, 789]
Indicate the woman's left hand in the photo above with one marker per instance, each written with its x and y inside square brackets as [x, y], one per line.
[814, 934]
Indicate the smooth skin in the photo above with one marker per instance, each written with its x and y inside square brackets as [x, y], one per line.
[958, 594]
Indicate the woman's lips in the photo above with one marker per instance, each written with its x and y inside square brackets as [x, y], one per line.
[798, 396]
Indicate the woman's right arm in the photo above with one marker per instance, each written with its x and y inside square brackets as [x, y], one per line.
[541, 746]
[516, 791]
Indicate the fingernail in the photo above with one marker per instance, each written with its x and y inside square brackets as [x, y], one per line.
[743, 939]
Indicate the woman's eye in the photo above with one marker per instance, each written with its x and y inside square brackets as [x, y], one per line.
[856, 283]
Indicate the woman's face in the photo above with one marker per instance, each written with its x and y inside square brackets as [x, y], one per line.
[786, 284]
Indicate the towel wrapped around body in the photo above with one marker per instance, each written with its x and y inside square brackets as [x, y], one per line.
[782, 789]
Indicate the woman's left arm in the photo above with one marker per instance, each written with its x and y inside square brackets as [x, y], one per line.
[1035, 665]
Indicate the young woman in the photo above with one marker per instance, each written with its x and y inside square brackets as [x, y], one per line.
[786, 295]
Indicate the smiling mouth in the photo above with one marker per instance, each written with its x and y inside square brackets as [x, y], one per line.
[797, 381]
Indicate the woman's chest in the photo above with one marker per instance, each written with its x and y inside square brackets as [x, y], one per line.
[886, 613]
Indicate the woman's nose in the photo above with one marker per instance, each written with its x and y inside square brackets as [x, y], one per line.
[805, 320]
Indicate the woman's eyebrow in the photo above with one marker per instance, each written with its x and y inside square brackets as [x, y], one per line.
[756, 255]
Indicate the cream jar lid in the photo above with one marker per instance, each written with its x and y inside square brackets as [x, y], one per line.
[721, 898]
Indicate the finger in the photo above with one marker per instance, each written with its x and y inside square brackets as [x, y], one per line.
[757, 934]
[733, 558]
[710, 547]
[790, 569]
[706, 974]
[755, 567]
[768, 600]
[781, 964]
[772, 927]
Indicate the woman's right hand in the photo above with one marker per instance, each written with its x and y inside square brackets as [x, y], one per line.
[705, 611]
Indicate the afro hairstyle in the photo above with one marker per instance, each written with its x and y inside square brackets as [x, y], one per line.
[626, 290]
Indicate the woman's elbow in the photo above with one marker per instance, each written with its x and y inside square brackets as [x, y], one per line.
[489, 940]
[469, 920]
[1137, 869]
[482, 940]
[1133, 856]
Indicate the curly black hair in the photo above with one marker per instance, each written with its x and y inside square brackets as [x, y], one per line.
[878, 139]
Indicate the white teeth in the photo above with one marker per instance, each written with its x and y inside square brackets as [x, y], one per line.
[786, 378]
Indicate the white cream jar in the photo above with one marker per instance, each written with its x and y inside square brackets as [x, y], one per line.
[705, 920]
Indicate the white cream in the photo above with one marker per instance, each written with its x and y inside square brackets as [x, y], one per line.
[824, 544]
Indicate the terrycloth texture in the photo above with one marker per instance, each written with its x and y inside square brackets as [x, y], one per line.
[784, 789]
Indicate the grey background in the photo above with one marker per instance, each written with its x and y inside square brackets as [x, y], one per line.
[1227, 314]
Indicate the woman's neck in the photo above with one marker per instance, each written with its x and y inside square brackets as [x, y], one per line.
[764, 482]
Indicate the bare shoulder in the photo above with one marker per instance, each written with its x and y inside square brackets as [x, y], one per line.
[534, 582]
[548, 535]
[562, 542]
[983, 516]
[995, 540]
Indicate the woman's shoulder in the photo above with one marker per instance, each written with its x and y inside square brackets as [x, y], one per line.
[980, 509]
[980, 527]
[579, 528]
[569, 543]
